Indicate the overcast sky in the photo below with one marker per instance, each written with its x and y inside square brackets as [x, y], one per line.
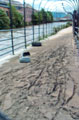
[50, 5]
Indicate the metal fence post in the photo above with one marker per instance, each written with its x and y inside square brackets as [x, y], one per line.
[39, 25]
[46, 29]
[78, 13]
[11, 25]
[43, 30]
[24, 5]
[43, 24]
[39, 18]
[33, 19]
[46, 25]
[51, 28]
[75, 22]
[73, 18]
[78, 19]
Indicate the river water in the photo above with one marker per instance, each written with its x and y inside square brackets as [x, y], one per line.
[6, 45]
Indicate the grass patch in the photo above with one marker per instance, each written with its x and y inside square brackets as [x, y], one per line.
[57, 29]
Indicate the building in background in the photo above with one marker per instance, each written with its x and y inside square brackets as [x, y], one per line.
[28, 12]
[4, 6]
[19, 7]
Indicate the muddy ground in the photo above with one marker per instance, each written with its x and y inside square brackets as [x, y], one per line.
[48, 87]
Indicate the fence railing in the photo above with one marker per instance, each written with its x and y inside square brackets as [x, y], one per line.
[12, 39]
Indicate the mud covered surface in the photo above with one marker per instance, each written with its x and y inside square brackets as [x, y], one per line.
[45, 89]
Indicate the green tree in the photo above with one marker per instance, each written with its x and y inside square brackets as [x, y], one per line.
[51, 16]
[42, 17]
[44, 14]
[17, 18]
[48, 17]
[4, 20]
[35, 18]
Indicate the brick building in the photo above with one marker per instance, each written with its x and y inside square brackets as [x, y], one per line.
[28, 13]
[19, 7]
[4, 7]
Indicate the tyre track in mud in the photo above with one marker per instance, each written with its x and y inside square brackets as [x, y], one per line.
[58, 76]
[61, 83]
[42, 91]
[62, 71]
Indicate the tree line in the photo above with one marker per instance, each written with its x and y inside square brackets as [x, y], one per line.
[17, 19]
[39, 17]
[42, 17]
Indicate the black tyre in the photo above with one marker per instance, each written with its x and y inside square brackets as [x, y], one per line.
[26, 54]
[36, 44]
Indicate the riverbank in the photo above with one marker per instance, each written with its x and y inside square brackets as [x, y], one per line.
[48, 87]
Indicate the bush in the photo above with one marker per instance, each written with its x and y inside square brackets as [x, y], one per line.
[4, 20]
[30, 23]
[17, 19]
[56, 29]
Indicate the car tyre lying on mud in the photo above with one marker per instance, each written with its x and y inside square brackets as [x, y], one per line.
[36, 44]
[25, 57]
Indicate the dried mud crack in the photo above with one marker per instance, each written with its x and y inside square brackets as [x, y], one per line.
[41, 90]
